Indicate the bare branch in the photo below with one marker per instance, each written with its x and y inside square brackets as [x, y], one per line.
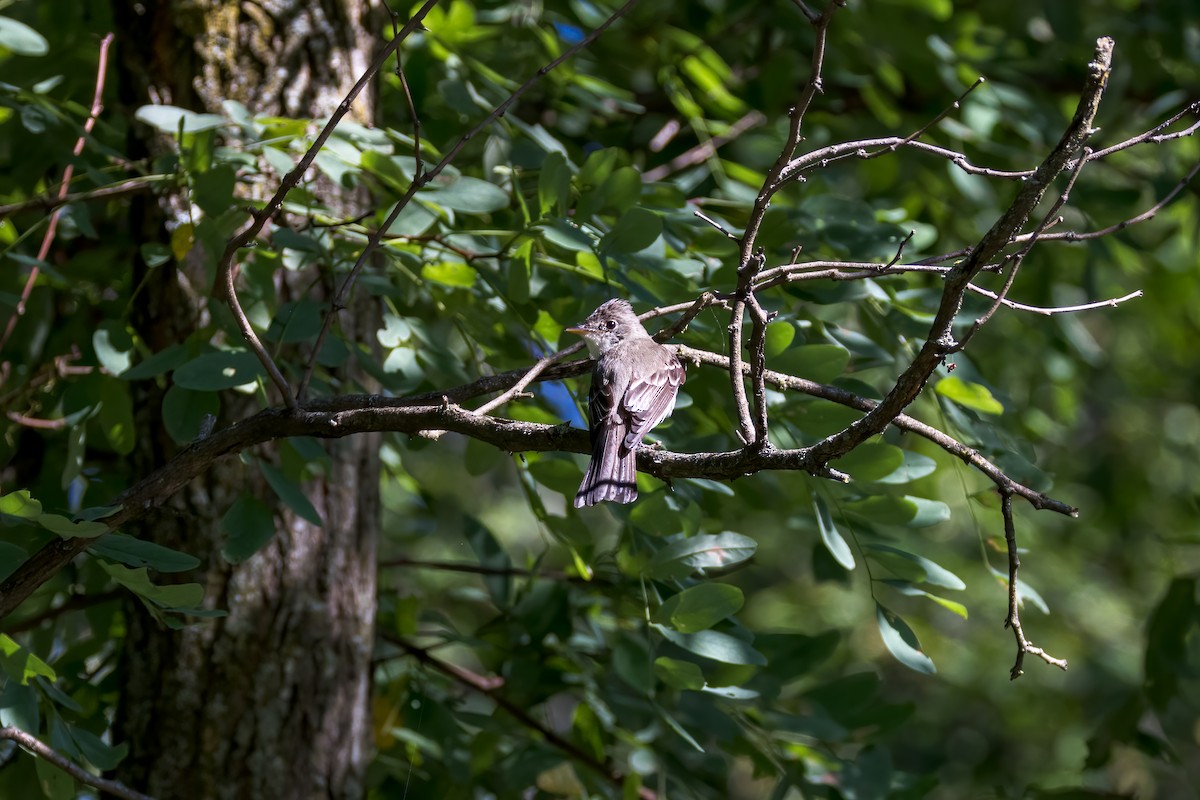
[43, 751]
[968, 455]
[1013, 620]
[941, 339]
[1019, 257]
[1155, 135]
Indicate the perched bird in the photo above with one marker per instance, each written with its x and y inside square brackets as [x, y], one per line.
[634, 384]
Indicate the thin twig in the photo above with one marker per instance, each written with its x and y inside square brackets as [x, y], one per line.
[49, 202]
[479, 569]
[491, 688]
[752, 428]
[1048, 311]
[919, 132]
[46, 753]
[720, 228]
[529, 377]
[420, 180]
[76, 602]
[859, 270]
[1013, 620]
[1019, 257]
[68, 171]
[412, 106]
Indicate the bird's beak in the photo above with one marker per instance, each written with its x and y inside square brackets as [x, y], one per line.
[577, 330]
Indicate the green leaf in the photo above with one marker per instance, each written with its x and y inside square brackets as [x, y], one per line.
[678, 674]
[831, 536]
[20, 39]
[54, 783]
[67, 529]
[682, 557]
[912, 590]
[100, 755]
[175, 597]
[817, 362]
[700, 607]
[622, 189]
[933, 574]
[163, 361]
[636, 230]
[170, 119]
[469, 195]
[450, 273]
[21, 665]
[715, 646]
[779, 337]
[1171, 623]
[554, 185]
[248, 525]
[141, 553]
[290, 493]
[20, 505]
[11, 557]
[213, 189]
[184, 410]
[915, 466]
[969, 395]
[873, 461]
[912, 512]
[116, 416]
[222, 370]
[18, 701]
[902, 642]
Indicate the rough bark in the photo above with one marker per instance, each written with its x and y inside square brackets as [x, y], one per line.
[272, 700]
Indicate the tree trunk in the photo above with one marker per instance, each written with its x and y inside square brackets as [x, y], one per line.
[272, 700]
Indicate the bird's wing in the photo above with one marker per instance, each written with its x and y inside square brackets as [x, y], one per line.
[600, 402]
[651, 395]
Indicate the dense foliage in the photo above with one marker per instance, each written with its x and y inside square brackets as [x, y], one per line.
[751, 638]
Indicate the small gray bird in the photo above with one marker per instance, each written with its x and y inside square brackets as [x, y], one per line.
[634, 384]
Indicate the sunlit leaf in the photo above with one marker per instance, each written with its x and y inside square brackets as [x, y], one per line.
[969, 395]
[902, 642]
[20, 664]
[450, 273]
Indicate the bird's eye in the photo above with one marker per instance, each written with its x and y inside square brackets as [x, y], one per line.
[611, 324]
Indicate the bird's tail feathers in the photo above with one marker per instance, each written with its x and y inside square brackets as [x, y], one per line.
[612, 473]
